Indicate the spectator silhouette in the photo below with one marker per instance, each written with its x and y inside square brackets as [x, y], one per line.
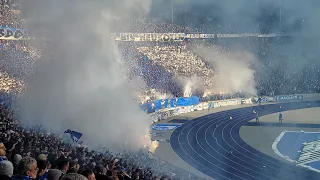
[6, 170]
[27, 169]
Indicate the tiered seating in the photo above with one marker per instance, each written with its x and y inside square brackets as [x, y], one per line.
[179, 60]
[9, 84]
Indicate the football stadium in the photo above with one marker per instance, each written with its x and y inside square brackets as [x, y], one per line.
[159, 90]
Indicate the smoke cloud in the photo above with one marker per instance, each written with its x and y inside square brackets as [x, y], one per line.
[85, 80]
[191, 85]
[288, 56]
[80, 81]
[233, 72]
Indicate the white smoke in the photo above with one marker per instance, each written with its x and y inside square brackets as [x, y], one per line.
[191, 85]
[142, 93]
[232, 69]
[80, 82]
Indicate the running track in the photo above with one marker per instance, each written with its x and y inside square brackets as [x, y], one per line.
[212, 144]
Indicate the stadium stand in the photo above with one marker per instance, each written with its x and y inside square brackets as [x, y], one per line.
[179, 60]
[149, 25]
[158, 63]
[51, 157]
[20, 142]
[10, 14]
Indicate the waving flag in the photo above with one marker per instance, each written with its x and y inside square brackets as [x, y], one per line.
[75, 136]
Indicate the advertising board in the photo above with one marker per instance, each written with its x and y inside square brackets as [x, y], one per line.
[298, 97]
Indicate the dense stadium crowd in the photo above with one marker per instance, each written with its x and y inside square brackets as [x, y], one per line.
[16, 63]
[9, 14]
[30, 153]
[179, 60]
[146, 25]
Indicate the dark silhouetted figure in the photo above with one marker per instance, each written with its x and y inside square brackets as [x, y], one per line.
[280, 118]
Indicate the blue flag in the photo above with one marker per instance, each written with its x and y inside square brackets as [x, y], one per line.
[75, 136]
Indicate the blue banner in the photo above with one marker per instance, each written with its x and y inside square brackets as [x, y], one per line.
[157, 104]
[172, 102]
[165, 127]
[194, 100]
[288, 98]
[166, 103]
[169, 103]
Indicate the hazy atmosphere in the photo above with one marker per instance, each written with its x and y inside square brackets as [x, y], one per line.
[149, 81]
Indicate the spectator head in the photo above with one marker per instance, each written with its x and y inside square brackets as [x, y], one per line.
[63, 165]
[73, 176]
[88, 174]
[73, 167]
[100, 169]
[28, 167]
[42, 157]
[2, 150]
[92, 165]
[6, 168]
[17, 158]
[42, 166]
[54, 174]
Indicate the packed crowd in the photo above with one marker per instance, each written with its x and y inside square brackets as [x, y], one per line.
[10, 14]
[16, 59]
[179, 60]
[284, 71]
[30, 153]
[27, 153]
[279, 70]
[9, 85]
[16, 63]
[146, 25]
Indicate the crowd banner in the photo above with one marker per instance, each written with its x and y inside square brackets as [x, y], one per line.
[169, 113]
[298, 97]
[177, 110]
[7, 33]
[154, 117]
[229, 102]
[264, 99]
[156, 37]
[166, 113]
[201, 106]
[190, 101]
[166, 37]
[165, 127]
[185, 109]
[160, 104]
[210, 105]
[162, 114]
[246, 101]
